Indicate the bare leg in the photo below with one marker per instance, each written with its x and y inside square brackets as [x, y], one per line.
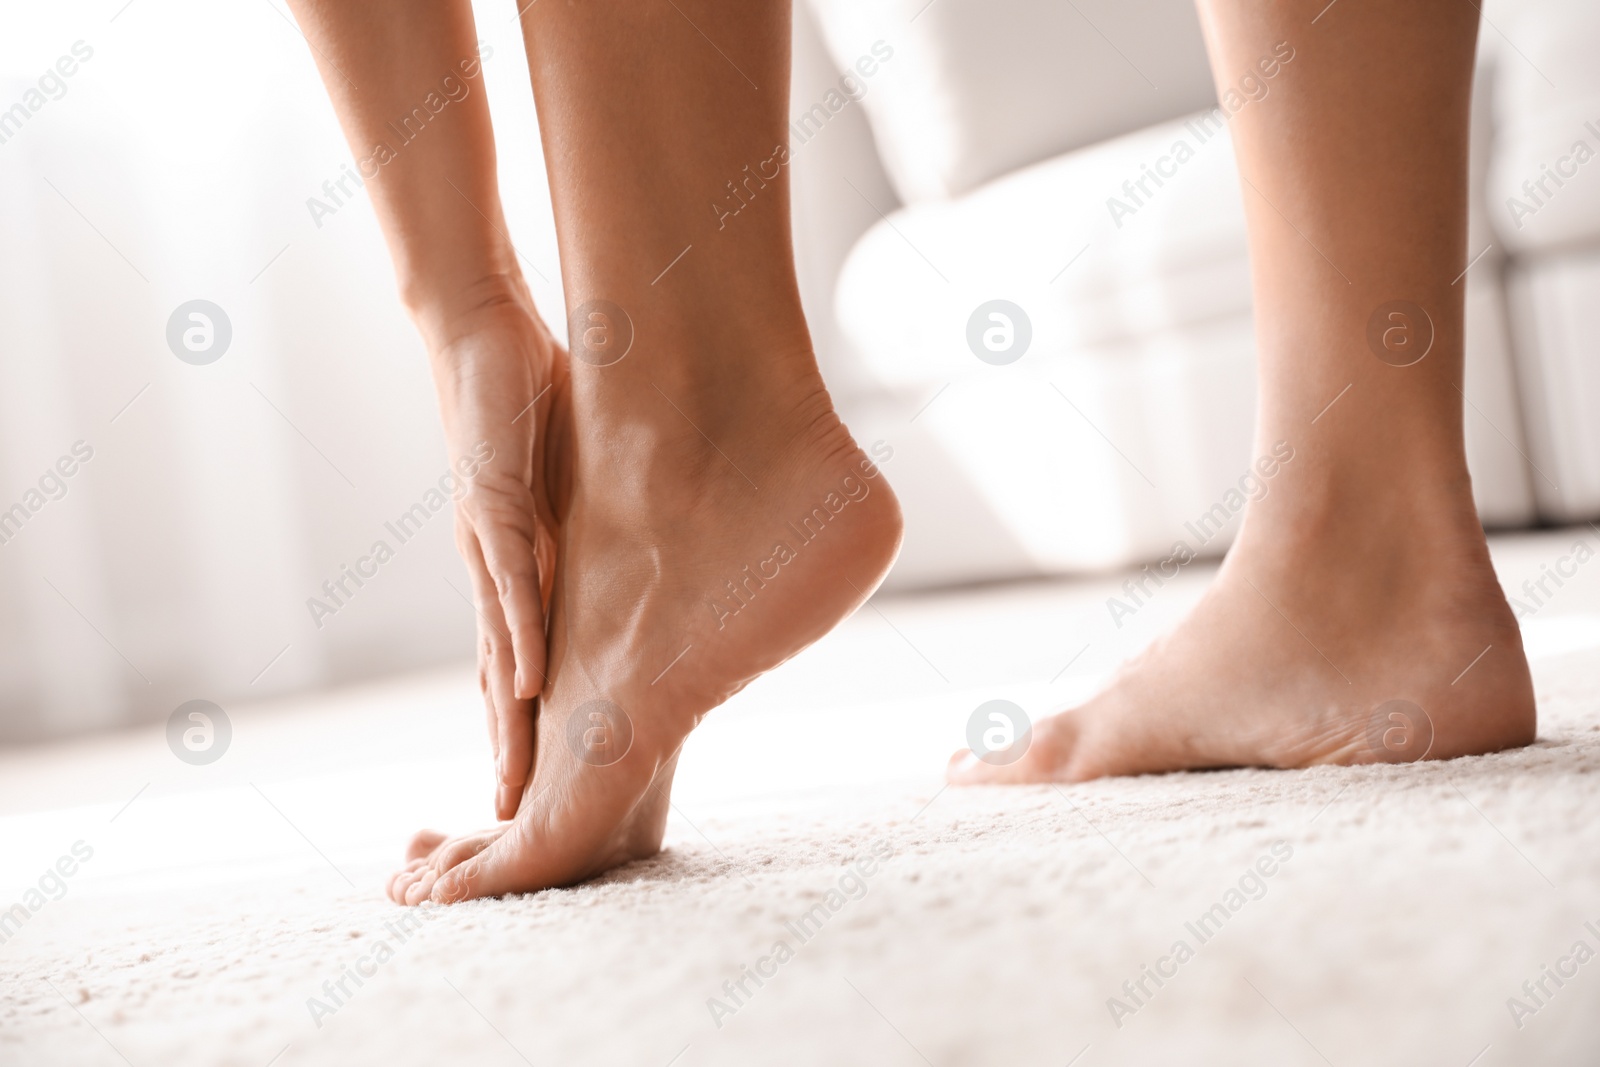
[721, 518]
[1363, 576]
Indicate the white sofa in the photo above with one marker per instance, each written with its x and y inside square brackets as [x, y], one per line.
[1546, 117]
[974, 158]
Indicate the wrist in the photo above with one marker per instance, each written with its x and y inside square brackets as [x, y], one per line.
[444, 314]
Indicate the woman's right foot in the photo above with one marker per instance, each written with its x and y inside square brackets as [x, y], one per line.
[698, 552]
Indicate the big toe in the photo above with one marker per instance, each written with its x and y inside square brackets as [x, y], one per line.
[505, 864]
[967, 767]
[1042, 755]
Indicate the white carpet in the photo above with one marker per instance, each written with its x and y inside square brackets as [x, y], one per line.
[1413, 902]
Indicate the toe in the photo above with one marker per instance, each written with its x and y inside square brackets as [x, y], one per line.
[1045, 754]
[403, 877]
[501, 867]
[968, 768]
[452, 853]
[961, 767]
[394, 879]
[419, 890]
[400, 884]
[422, 843]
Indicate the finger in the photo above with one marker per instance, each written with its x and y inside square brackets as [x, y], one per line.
[466, 547]
[511, 728]
[516, 742]
[492, 716]
[514, 565]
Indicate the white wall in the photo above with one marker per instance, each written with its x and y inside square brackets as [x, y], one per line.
[177, 164]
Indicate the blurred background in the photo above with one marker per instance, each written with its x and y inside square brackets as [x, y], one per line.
[945, 155]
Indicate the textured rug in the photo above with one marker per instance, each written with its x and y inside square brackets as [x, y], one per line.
[822, 899]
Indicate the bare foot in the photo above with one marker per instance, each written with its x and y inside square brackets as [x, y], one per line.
[1295, 654]
[686, 569]
[1357, 618]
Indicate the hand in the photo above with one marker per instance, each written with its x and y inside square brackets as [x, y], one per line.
[502, 383]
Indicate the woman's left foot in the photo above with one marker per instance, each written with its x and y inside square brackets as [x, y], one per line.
[1346, 632]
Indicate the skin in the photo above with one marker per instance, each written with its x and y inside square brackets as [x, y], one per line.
[633, 496]
[1363, 575]
[658, 479]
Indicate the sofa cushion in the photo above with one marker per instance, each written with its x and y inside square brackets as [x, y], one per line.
[1544, 183]
[1088, 255]
[1555, 303]
[1075, 465]
[963, 91]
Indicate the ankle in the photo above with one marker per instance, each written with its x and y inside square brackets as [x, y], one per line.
[712, 379]
[667, 449]
[1401, 524]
